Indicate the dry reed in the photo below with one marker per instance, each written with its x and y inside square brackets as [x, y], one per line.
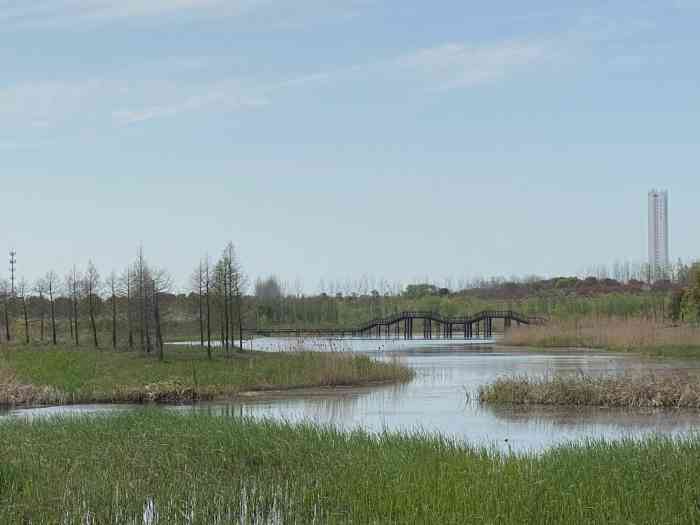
[13, 393]
[623, 334]
[640, 391]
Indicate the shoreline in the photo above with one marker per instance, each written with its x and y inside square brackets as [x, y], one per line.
[260, 393]
[30, 377]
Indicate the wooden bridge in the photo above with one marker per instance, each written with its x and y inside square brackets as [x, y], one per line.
[401, 326]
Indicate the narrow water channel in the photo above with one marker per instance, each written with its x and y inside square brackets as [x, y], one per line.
[441, 398]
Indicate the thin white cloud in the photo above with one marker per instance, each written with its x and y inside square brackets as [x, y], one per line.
[442, 67]
[49, 13]
[64, 12]
[223, 98]
[131, 98]
[462, 65]
[43, 106]
[459, 65]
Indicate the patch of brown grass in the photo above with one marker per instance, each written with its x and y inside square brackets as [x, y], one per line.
[14, 393]
[622, 334]
[641, 391]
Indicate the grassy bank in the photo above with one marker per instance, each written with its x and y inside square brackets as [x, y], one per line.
[639, 335]
[641, 391]
[203, 470]
[48, 375]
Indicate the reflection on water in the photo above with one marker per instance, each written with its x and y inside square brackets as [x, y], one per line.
[438, 400]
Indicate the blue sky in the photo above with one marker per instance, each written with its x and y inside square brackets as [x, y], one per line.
[335, 139]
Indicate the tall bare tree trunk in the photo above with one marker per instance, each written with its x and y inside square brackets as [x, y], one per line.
[146, 318]
[26, 318]
[75, 320]
[159, 332]
[239, 308]
[223, 331]
[208, 287]
[8, 335]
[76, 296]
[201, 306]
[53, 319]
[70, 320]
[140, 270]
[42, 311]
[226, 319]
[129, 309]
[114, 317]
[94, 326]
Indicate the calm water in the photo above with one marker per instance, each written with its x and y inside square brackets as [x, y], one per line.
[437, 400]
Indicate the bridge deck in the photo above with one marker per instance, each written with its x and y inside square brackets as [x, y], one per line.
[401, 325]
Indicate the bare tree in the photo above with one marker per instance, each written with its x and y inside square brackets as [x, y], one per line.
[51, 281]
[22, 288]
[6, 294]
[113, 283]
[161, 283]
[222, 301]
[73, 282]
[197, 286]
[207, 286]
[144, 297]
[127, 284]
[40, 289]
[235, 281]
[91, 284]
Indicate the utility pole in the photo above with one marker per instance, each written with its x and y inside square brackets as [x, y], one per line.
[13, 265]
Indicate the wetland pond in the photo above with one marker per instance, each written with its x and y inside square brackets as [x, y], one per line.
[442, 396]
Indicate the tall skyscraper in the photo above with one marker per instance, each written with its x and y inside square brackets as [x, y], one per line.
[658, 235]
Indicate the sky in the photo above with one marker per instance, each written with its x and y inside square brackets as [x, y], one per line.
[331, 139]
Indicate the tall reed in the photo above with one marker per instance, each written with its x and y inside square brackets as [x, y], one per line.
[627, 391]
[623, 334]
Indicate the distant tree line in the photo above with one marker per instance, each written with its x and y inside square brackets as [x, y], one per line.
[137, 307]
[131, 309]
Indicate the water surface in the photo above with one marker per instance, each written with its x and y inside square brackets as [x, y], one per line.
[441, 397]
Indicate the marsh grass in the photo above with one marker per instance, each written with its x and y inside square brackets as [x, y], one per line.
[156, 467]
[627, 391]
[617, 334]
[62, 376]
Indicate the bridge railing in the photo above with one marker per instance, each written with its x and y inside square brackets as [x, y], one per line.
[411, 314]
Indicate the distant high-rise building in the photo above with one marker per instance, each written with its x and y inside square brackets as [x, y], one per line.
[658, 235]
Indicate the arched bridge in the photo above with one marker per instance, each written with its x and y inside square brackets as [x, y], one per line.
[401, 325]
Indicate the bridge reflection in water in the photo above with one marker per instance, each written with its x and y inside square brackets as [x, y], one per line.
[401, 325]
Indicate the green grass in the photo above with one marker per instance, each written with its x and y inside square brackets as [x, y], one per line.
[682, 351]
[89, 375]
[202, 469]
